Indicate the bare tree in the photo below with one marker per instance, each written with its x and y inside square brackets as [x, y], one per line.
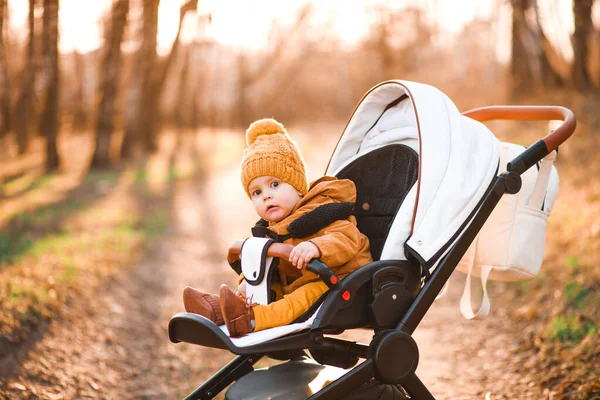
[157, 84]
[190, 5]
[141, 86]
[142, 121]
[25, 100]
[110, 73]
[582, 12]
[79, 108]
[530, 67]
[399, 49]
[148, 71]
[247, 77]
[4, 81]
[49, 120]
[181, 114]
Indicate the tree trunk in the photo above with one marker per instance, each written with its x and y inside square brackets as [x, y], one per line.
[4, 81]
[181, 110]
[156, 82]
[243, 83]
[521, 71]
[110, 73]
[79, 108]
[25, 101]
[147, 113]
[247, 78]
[382, 43]
[582, 12]
[49, 119]
[142, 90]
[549, 77]
[530, 67]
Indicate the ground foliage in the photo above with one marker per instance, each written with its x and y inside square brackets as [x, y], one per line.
[51, 252]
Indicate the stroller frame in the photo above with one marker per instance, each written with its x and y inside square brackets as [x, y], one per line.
[378, 355]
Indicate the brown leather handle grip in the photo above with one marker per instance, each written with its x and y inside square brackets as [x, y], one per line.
[275, 250]
[533, 113]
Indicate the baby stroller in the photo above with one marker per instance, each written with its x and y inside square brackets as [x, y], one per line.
[427, 179]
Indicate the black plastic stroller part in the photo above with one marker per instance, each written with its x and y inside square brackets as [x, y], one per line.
[324, 272]
[389, 367]
[338, 357]
[236, 369]
[393, 292]
[352, 303]
[393, 170]
[291, 381]
[527, 159]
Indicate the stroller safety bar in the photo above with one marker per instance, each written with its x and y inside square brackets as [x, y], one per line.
[283, 250]
[541, 148]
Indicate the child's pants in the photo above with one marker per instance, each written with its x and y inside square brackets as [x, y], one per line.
[290, 307]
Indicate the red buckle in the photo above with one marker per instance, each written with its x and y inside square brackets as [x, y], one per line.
[346, 295]
[333, 280]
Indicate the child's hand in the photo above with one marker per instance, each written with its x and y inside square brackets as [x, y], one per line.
[241, 290]
[302, 253]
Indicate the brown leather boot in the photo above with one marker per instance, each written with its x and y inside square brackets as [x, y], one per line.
[204, 304]
[237, 313]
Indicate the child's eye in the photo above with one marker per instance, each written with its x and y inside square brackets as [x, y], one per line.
[274, 184]
[256, 193]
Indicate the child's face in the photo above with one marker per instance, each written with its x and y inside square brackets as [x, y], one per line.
[273, 199]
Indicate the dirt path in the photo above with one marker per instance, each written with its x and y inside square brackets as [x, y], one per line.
[114, 344]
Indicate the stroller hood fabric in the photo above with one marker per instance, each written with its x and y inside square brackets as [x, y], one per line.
[458, 158]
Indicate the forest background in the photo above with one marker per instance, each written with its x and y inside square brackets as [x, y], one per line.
[86, 118]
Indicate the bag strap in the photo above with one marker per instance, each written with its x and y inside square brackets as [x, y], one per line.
[538, 194]
[443, 292]
[465, 300]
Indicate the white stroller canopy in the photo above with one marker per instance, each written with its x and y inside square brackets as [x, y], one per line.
[458, 158]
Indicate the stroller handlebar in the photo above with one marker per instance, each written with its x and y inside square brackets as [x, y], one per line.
[283, 250]
[532, 113]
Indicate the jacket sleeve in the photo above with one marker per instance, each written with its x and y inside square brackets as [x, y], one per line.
[338, 243]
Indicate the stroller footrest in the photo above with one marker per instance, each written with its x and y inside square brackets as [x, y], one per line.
[195, 329]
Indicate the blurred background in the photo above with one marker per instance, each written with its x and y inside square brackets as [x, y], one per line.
[122, 127]
[126, 70]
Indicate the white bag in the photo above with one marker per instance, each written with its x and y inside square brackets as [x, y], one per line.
[510, 245]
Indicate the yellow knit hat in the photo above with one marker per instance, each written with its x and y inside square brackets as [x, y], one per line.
[271, 151]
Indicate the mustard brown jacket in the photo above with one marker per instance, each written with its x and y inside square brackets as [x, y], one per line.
[343, 248]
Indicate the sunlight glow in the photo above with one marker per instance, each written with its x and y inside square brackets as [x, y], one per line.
[246, 25]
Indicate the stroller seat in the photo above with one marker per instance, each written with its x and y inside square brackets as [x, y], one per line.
[426, 181]
[384, 197]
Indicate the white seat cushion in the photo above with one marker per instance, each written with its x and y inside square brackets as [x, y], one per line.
[270, 334]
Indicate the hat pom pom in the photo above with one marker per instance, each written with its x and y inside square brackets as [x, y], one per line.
[267, 126]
